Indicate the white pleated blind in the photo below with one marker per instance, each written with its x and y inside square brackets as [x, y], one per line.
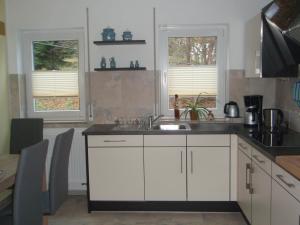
[192, 80]
[55, 83]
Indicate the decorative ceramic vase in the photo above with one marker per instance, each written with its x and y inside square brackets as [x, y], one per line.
[127, 36]
[112, 62]
[136, 65]
[108, 34]
[131, 65]
[103, 63]
[194, 115]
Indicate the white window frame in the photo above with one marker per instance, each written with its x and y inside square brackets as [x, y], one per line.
[28, 37]
[220, 31]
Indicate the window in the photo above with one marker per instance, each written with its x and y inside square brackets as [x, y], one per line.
[193, 62]
[53, 63]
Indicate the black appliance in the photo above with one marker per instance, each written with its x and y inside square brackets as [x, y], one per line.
[253, 113]
[268, 139]
[283, 138]
[273, 119]
[279, 40]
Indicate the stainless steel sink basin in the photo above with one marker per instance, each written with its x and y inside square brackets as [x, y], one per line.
[170, 127]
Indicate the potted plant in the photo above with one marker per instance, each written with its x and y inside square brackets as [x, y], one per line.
[195, 108]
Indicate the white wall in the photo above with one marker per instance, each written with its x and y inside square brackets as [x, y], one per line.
[4, 110]
[136, 15]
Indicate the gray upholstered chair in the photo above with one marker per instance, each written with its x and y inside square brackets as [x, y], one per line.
[27, 200]
[25, 132]
[58, 177]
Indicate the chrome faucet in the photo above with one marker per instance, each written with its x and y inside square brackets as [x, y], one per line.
[152, 119]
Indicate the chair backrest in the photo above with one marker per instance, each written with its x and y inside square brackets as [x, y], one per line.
[27, 203]
[24, 133]
[58, 178]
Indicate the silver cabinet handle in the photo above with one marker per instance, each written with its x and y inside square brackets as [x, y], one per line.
[181, 162]
[280, 177]
[109, 141]
[248, 168]
[192, 162]
[257, 159]
[249, 171]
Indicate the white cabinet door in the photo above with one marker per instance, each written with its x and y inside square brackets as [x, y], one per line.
[165, 173]
[243, 195]
[208, 173]
[253, 47]
[261, 196]
[285, 208]
[116, 174]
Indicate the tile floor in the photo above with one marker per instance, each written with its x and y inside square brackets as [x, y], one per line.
[74, 212]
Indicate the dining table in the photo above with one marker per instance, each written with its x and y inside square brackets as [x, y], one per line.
[8, 170]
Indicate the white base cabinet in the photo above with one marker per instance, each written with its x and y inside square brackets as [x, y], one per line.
[261, 196]
[116, 174]
[192, 167]
[285, 208]
[208, 173]
[165, 173]
[159, 167]
[267, 194]
[244, 194]
[254, 184]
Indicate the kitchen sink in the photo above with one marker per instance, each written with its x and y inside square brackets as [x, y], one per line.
[169, 127]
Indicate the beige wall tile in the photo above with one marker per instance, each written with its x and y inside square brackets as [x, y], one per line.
[121, 94]
[284, 101]
[239, 86]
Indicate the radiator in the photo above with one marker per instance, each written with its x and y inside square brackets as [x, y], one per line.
[77, 170]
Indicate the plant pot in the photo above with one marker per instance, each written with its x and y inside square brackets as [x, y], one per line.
[194, 115]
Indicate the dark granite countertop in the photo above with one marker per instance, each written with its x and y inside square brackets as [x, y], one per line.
[292, 138]
[199, 128]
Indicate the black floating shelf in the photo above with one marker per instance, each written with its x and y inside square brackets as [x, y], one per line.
[119, 69]
[120, 42]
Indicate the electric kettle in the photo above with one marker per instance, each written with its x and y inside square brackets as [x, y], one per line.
[273, 119]
[231, 110]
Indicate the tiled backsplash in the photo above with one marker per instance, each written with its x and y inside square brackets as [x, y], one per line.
[277, 93]
[284, 101]
[120, 94]
[130, 94]
[240, 86]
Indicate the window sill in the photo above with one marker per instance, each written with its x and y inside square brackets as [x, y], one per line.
[65, 124]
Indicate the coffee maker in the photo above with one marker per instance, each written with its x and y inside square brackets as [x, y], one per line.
[253, 114]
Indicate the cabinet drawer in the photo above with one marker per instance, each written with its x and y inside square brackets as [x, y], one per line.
[262, 161]
[208, 140]
[165, 140]
[290, 183]
[115, 140]
[244, 147]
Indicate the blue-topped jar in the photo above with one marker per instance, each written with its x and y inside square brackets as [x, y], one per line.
[108, 34]
[127, 36]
